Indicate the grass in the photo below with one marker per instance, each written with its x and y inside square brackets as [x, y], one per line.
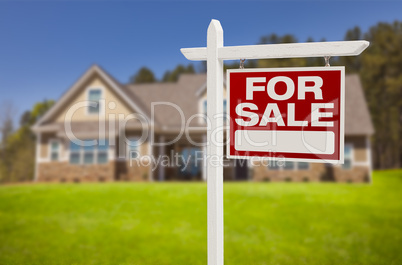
[265, 223]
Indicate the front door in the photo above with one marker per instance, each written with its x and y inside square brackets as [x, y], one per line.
[190, 166]
[241, 169]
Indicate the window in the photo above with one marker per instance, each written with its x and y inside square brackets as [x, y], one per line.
[225, 118]
[54, 151]
[132, 148]
[87, 155]
[286, 165]
[348, 157]
[74, 158]
[273, 164]
[102, 155]
[75, 153]
[289, 165]
[204, 108]
[190, 166]
[303, 165]
[94, 95]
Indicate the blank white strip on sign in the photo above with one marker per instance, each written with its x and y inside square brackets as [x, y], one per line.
[305, 142]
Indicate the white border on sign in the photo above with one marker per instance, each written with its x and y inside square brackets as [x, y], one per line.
[292, 69]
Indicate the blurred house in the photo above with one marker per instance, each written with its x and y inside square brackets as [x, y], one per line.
[98, 111]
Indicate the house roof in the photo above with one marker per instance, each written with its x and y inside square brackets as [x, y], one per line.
[183, 93]
[175, 103]
[357, 115]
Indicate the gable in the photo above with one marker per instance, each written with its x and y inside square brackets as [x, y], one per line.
[114, 100]
[111, 103]
[203, 95]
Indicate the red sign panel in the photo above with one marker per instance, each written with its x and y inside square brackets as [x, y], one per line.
[291, 113]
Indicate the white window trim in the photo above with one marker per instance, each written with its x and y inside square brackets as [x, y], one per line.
[101, 105]
[54, 140]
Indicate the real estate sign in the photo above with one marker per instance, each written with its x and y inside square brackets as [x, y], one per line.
[292, 113]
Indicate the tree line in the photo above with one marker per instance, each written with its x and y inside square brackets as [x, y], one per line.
[17, 147]
[379, 68]
[145, 75]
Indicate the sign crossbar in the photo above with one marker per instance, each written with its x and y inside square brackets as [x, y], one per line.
[286, 50]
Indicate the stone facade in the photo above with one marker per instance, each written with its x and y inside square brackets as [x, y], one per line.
[66, 172]
[359, 172]
[112, 171]
[123, 170]
[316, 172]
[262, 172]
[355, 174]
[133, 172]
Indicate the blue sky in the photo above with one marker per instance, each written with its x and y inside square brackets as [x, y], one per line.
[46, 45]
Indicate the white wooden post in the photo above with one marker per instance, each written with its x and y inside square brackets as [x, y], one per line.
[214, 146]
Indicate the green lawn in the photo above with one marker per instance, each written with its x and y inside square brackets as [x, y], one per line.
[265, 223]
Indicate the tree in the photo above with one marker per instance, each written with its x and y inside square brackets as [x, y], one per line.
[291, 62]
[7, 113]
[173, 76]
[17, 155]
[144, 75]
[380, 68]
[39, 109]
[352, 63]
